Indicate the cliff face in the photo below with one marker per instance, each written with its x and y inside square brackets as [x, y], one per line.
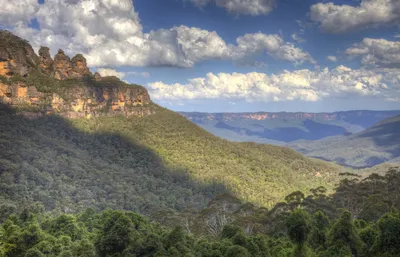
[16, 56]
[347, 115]
[40, 85]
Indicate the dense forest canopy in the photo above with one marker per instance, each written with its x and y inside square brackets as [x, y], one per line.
[316, 225]
[161, 161]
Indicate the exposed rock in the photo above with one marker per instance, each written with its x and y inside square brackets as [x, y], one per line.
[79, 66]
[93, 97]
[16, 55]
[46, 62]
[62, 66]
[97, 76]
[19, 94]
[83, 101]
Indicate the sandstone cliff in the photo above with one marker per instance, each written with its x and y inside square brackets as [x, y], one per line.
[286, 116]
[39, 85]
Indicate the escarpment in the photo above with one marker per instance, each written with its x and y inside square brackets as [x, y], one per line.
[39, 84]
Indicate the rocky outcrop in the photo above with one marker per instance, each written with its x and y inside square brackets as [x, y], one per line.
[97, 76]
[78, 101]
[46, 62]
[79, 67]
[62, 66]
[16, 55]
[82, 95]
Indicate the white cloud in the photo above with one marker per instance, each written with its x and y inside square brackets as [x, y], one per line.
[110, 72]
[343, 18]
[20, 11]
[332, 58]
[377, 52]
[246, 7]
[274, 45]
[297, 38]
[305, 85]
[109, 33]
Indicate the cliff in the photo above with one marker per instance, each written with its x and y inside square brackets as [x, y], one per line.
[38, 85]
[372, 116]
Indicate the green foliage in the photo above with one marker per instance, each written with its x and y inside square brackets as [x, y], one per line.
[389, 233]
[148, 164]
[343, 233]
[319, 230]
[237, 251]
[298, 224]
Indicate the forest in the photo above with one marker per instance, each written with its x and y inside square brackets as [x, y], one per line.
[360, 219]
[148, 164]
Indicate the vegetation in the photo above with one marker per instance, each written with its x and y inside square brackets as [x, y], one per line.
[141, 164]
[47, 84]
[304, 230]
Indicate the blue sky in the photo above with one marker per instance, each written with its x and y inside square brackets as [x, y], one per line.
[230, 55]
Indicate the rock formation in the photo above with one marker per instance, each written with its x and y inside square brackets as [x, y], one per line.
[97, 76]
[46, 62]
[79, 67]
[16, 55]
[46, 90]
[62, 66]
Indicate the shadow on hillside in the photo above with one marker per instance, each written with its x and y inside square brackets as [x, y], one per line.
[385, 135]
[45, 159]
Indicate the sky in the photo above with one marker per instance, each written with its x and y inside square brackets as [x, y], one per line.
[229, 55]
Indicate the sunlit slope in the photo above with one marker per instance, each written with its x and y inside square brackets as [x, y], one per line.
[142, 164]
[261, 174]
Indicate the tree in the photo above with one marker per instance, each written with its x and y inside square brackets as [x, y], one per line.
[115, 235]
[343, 233]
[319, 230]
[237, 251]
[298, 225]
[389, 233]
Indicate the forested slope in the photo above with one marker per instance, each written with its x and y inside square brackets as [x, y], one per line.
[141, 164]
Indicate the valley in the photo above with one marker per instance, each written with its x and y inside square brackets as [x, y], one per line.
[93, 164]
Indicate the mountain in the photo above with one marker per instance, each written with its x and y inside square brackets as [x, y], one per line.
[72, 139]
[377, 144]
[282, 127]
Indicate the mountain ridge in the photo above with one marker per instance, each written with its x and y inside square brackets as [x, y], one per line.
[375, 145]
[280, 128]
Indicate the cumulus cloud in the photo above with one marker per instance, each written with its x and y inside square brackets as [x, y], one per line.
[110, 72]
[343, 18]
[245, 7]
[305, 85]
[377, 52]
[13, 12]
[109, 33]
[274, 45]
[331, 58]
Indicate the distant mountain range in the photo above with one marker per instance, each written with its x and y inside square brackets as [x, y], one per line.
[377, 144]
[284, 127]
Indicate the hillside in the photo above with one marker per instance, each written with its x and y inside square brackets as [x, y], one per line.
[280, 128]
[71, 139]
[377, 144]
